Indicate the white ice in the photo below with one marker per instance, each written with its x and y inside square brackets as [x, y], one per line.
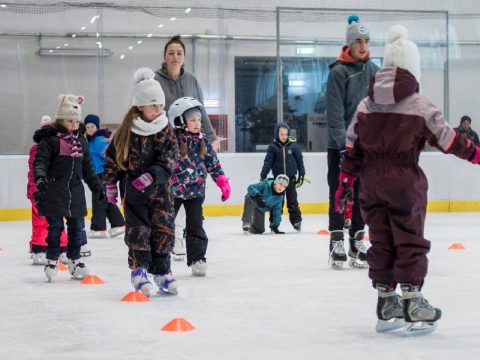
[264, 297]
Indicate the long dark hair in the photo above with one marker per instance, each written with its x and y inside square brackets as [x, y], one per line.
[174, 40]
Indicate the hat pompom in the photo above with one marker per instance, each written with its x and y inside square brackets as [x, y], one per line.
[397, 32]
[143, 73]
[353, 18]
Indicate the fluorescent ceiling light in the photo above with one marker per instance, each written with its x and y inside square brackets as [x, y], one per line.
[139, 42]
[83, 28]
[93, 19]
[187, 10]
[305, 51]
[173, 19]
[150, 35]
[3, 6]
[122, 56]
[75, 52]
[160, 26]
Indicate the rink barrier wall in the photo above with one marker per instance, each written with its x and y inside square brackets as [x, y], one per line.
[451, 184]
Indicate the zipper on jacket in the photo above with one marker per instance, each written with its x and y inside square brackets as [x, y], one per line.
[358, 73]
[284, 161]
[69, 191]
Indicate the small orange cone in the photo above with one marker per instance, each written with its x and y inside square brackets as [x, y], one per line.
[456, 246]
[92, 280]
[323, 232]
[135, 296]
[178, 325]
[62, 267]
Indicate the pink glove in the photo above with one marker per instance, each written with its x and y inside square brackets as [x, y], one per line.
[476, 156]
[112, 193]
[143, 181]
[344, 191]
[224, 185]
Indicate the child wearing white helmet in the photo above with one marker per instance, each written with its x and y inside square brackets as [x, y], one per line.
[197, 159]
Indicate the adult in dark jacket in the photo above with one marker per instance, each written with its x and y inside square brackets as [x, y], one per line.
[61, 163]
[284, 156]
[347, 85]
[465, 128]
[384, 142]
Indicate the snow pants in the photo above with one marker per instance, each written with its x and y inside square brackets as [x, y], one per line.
[38, 241]
[393, 200]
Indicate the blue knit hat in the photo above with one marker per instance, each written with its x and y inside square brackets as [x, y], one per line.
[93, 119]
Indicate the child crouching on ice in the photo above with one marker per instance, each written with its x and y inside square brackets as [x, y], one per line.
[197, 160]
[264, 196]
[142, 155]
[61, 162]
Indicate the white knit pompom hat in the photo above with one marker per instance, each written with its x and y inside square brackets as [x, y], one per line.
[147, 90]
[402, 52]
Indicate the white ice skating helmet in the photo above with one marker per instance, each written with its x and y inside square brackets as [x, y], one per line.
[178, 108]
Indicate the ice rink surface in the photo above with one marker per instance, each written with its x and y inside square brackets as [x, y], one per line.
[264, 297]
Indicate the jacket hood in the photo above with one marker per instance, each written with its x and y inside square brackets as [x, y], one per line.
[346, 56]
[391, 85]
[277, 129]
[44, 132]
[163, 73]
[101, 132]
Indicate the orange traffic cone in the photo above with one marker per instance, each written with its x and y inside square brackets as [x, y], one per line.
[456, 246]
[92, 280]
[323, 232]
[135, 296]
[178, 325]
[62, 267]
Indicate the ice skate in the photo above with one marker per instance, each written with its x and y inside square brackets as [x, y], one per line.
[39, 258]
[63, 258]
[337, 250]
[358, 251]
[97, 234]
[199, 268]
[51, 271]
[297, 226]
[246, 228]
[389, 309]
[179, 250]
[420, 317]
[77, 269]
[166, 284]
[85, 251]
[119, 230]
[140, 281]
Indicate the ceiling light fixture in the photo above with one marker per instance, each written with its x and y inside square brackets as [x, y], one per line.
[149, 35]
[95, 18]
[139, 42]
[173, 18]
[187, 10]
[3, 6]
[75, 52]
[160, 26]
[130, 47]
[122, 56]
[83, 28]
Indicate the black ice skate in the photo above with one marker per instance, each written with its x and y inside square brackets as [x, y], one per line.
[297, 226]
[389, 309]
[246, 228]
[358, 251]
[337, 251]
[420, 317]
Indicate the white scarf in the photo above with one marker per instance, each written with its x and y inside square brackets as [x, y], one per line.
[141, 127]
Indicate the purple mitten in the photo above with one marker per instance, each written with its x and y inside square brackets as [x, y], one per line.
[143, 181]
[112, 193]
[224, 185]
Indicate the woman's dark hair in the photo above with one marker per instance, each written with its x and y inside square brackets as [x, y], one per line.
[174, 40]
[465, 118]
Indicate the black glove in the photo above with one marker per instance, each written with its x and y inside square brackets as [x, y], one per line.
[260, 200]
[99, 193]
[42, 185]
[275, 230]
[300, 181]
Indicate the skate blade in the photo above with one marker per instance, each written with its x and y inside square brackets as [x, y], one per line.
[336, 265]
[171, 290]
[357, 264]
[389, 325]
[86, 254]
[178, 257]
[419, 328]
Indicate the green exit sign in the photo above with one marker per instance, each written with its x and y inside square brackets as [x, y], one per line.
[305, 50]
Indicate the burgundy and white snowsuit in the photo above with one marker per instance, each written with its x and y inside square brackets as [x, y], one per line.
[384, 141]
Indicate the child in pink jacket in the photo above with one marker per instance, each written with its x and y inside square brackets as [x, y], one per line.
[38, 245]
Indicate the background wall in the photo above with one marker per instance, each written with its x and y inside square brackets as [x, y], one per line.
[451, 182]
